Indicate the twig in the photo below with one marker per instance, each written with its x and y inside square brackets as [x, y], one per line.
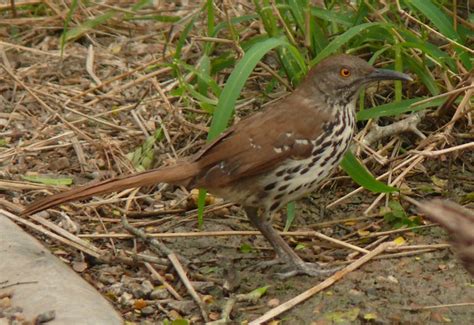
[434, 31]
[395, 231]
[444, 151]
[461, 304]
[230, 233]
[448, 93]
[182, 275]
[163, 281]
[155, 245]
[407, 124]
[326, 283]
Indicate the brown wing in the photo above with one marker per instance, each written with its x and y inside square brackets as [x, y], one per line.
[256, 144]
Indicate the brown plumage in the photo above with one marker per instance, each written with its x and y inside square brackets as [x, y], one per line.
[271, 157]
[459, 222]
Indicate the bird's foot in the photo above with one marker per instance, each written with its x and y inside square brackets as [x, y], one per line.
[311, 269]
[266, 264]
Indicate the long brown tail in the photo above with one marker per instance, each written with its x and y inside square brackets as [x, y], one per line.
[179, 174]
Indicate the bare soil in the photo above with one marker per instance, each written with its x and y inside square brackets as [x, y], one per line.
[55, 122]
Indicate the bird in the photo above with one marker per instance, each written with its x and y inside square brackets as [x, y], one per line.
[270, 158]
[459, 223]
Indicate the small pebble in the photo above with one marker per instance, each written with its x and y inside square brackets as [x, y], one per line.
[147, 287]
[159, 293]
[273, 302]
[137, 290]
[148, 310]
[59, 164]
[45, 317]
[5, 302]
[184, 307]
[126, 299]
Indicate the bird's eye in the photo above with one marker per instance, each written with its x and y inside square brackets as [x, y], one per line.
[345, 72]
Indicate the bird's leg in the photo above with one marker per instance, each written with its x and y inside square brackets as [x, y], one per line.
[284, 252]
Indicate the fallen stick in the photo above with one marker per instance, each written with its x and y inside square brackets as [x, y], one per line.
[326, 283]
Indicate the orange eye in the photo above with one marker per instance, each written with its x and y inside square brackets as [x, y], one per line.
[345, 72]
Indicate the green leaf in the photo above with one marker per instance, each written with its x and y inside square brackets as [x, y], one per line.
[342, 39]
[160, 18]
[444, 24]
[233, 21]
[141, 4]
[256, 294]
[332, 16]
[47, 180]
[142, 158]
[246, 248]
[182, 38]
[436, 16]
[300, 247]
[290, 215]
[391, 109]
[201, 204]
[361, 176]
[180, 322]
[211, 23]
[67, 21]
[423, 74]
[297, 10]
[88, 25]
[203, 73]
[236, 81]
[398, 67]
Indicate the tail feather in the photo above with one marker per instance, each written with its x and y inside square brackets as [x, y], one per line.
[179, 174]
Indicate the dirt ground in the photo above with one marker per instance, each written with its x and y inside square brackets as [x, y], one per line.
[56, 123]
[424, 288]
[398, 290]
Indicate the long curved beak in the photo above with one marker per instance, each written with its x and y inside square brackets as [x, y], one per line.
[385, 74]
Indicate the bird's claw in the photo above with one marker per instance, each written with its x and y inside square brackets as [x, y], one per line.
[311, 269]
[266, 264]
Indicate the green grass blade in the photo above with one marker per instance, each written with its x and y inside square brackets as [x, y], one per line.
[361, 176]
[201, 203]
[160, 18]
[436, 16]
[183, 37]
[362, 12]
[297, 8]
[47, 180]
[67, 21]
[202, 71]
[290, 215]
[211, 19]
[331, 16]
[204, 77]
[445, 25]
[236, 81]
[140, 5]
[88, 25]
[423, 74]
[342, 39]
[433, 51]
[397, 108]
[398, 67]
[233, 21]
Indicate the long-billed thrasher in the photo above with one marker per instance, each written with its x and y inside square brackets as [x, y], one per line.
[270, 158]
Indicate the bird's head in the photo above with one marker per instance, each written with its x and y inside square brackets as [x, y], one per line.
[340, 77]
